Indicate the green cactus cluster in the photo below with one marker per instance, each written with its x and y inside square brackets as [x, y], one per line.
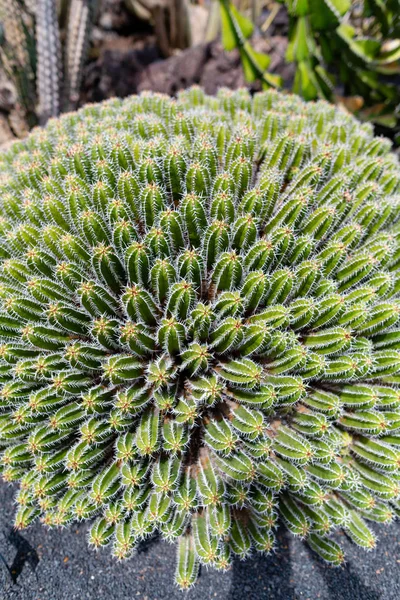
[200, 324]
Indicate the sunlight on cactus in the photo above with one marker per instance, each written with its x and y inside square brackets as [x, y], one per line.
[200, 324]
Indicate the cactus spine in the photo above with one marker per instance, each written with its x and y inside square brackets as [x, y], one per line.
[199, 324]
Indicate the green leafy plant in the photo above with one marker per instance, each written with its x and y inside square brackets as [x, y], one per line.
[329, 49]
[236, 31]
[323, 37]
[199, 324]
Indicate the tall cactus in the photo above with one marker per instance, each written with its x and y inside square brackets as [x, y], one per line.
[171, 20]
[18, 61]
[78, 27]
[46, 74]
[200, 324]
[48, 50]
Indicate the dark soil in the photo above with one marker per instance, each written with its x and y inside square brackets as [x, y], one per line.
[38, 564]
[131, 65]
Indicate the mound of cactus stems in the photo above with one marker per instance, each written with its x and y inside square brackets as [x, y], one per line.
[200, 325]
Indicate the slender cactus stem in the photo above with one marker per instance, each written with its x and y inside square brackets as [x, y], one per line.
[48, 49]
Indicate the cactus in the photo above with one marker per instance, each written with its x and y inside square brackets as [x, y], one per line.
[200, 324]
[171, 20]
[17, 62]
[46, 73]
[48, 49]
[78, 28]
[55, 95]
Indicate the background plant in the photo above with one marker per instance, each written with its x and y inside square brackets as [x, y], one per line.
[171, 22]
[18, 61]
[43, 49]
[236, 30]
[199, 324]
[335, 44]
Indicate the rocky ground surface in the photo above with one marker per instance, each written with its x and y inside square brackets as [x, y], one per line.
[134, 65]
[38, 564]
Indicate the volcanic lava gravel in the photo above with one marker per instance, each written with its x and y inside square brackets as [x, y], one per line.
[38, 564]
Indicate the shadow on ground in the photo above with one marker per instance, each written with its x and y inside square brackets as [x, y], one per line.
[39, 564]
[343, 578]
[264, 576]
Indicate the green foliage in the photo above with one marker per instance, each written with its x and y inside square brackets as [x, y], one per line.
[199, 324]
[328, 50]
[323, 37]
[236, 29]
